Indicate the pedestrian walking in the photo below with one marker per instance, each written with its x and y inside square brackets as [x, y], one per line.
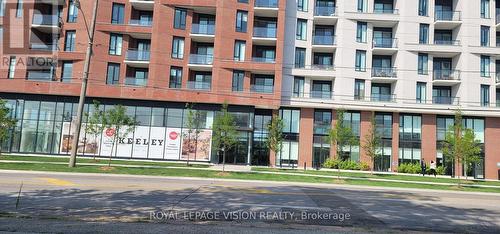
[433, 168]
[423, 166]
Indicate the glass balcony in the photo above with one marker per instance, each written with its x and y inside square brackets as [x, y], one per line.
[202, 59]
[199, 85]
[138, 22]
[138, 55]
[44, 46]
[323, 40]
[497, 19]
[447, 16]
[386, 11]
[324, 11]
[263, 60]
[447, 42]
[264, 32]
[135, 81]
[383, 98]
[262, 88]
[46, 19]
[384, 72]
[446, 75]
[321, 94]
[385, 42]
[40, 75]
[497, 77]
[322, 67]
[205, 29]
[441, 100]
[266, 3]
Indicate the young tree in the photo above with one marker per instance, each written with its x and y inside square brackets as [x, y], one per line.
[372, 143]
[461, 145]
[193, 125]
[225, 135]
[274, 138]
[114, 119]
[6, 123]
[341, 136]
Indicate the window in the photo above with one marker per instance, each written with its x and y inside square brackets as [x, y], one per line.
[381, 93]
[353, 121]
[263, 83]
[322, 122]
[118, 14]
[485, 9]
[241, 21]
[113, 76]
[422, 7]
[238, 79]
[410, 138]
[423, 64]
[301, 32]
[115, 44]
[19, 9]
[72, 12]
[12, 67]
[70, 41]
[180, 18]
[321, 89]
[175, 81]
[485, 66]
[291, 120]
[360, 60]
[300, 57]
[361, 32]
[485, 95]
[178, 48]
[2, 7]
[298, 86]
[362, 5]
[424, 34]
[239, 50]
[243, 1]
[67, 71]
[359, 89]
[485, 36]
[302, 5]
[421, 92]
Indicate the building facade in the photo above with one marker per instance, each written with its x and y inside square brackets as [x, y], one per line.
[410, 64]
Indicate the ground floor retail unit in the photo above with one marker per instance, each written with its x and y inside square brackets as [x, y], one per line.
[46, 126]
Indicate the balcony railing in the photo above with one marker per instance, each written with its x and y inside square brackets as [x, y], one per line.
[138, 22]
[43, 46]
[321, 94]
[384, 72]
[497, 19]
[445, 100]
[386, 11]
[323, 40]
[447, 42]
[264, 32]
[199, 85]
[325, 11]
[262, 88]
[135, 81]
[138, 55]
[40, 75]
[315, 67]
[46, 20]
[497, 77]
[266, 3]
[384, 42]
[202, 59]
[446, 75]
[383, 98]
[447, 16]
[205, 29]
[263, 60]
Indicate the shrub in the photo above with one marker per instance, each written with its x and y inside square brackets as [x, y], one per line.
[331, 163]
[364, 166]
[349, 165]
[409, 168]
[441, 170]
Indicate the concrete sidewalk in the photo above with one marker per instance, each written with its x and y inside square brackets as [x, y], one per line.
[240, 169]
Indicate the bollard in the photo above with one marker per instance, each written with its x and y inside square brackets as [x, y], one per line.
[305, 163]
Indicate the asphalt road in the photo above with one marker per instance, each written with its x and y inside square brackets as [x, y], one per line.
[89, 203]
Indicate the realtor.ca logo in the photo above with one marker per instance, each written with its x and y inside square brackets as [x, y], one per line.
[110, 132]
[31, 34]
[173, 135]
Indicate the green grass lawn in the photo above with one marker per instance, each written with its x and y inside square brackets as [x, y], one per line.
[378, 176]
[230, 175]
[99, 160]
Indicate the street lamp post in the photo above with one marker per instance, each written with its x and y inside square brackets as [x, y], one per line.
[83, 91]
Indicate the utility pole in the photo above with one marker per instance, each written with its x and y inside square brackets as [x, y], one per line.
[83, 91]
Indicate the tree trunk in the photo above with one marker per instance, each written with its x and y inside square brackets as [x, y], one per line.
[112, 149]
[189, 148]
[465, 171]
[1, 144]
[373, 166]
[456, 172]
[223, 159]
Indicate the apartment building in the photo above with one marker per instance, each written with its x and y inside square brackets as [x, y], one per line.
[409, 63]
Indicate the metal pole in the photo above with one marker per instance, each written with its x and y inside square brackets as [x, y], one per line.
[83, 91]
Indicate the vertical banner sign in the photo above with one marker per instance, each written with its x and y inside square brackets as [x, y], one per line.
[157, 145]
[173, 143]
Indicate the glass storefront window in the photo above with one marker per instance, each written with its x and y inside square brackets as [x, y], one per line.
[174, 117]
[157, 117]
[143, 116]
